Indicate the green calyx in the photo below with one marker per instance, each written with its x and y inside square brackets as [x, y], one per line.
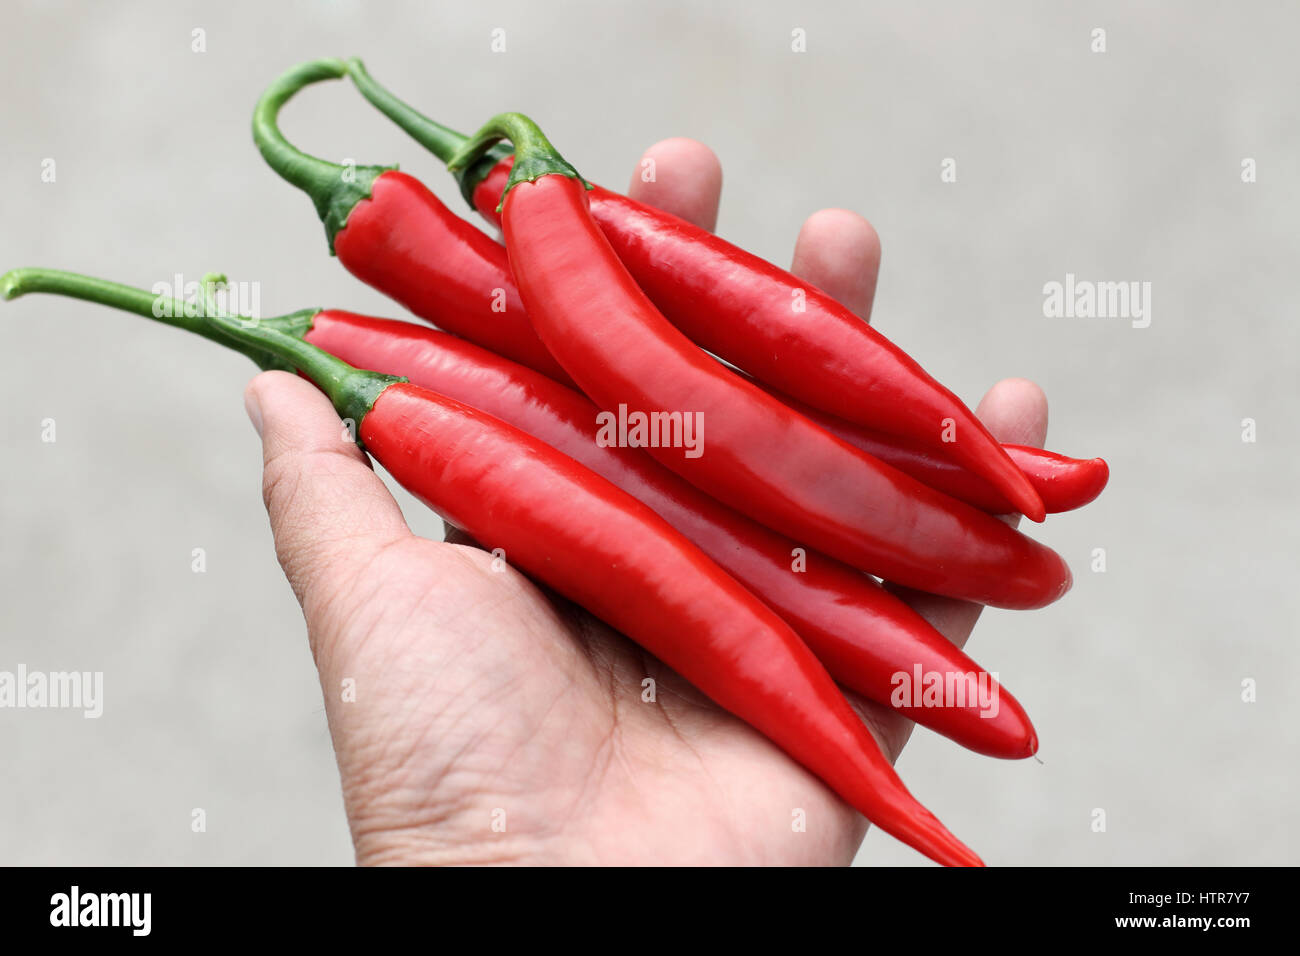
[352, 390]
[334, 189]
[440, 140]
[161, 307]
[535, 157]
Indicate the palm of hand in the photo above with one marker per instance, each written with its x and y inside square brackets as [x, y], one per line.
[491, 726]
[477, 719]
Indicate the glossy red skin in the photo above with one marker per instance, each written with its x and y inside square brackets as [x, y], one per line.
[406, 243]
[1063, 483]
[861, 633]
[740, 307]
[759, 456]
[596, 545]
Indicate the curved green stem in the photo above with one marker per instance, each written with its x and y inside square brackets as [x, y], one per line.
[271, 343]
[352, 390]
[442, 141]
[335, 190]
[535, 157]
[174, 312]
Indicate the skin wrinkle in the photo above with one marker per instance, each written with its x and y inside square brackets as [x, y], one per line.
[512, 584]
[523, 587]
[276, 470]
[428, 600]
[723, 794]
[303, 565]
[401, 853]
[331, 594]
[429, 840]
[587, 632]
[605, 756]
[384, 756]
[341, 626]
[457, 697]
[403, 810]
[418, 604]
[402, 753]
[470, 741]
[668, 719]
[667, 681]
[449, 705]
[471, 802]
[586, 783]
[614, 738]
[610, 750]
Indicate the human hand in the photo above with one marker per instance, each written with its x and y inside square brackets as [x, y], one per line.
[478, 719]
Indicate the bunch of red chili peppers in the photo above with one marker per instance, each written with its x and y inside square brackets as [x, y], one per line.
[744, 550]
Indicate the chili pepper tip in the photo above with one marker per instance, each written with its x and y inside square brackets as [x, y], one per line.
[1100, 477]
[937, 842]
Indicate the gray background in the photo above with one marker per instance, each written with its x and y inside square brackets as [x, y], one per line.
[1115, 166]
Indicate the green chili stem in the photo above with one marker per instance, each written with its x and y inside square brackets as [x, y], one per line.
[442, 141]
[335, 190]
[271, 343]
[174, 312]
[352, 390]
[535, 157]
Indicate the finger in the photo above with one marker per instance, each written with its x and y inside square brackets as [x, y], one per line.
[1014, 411]
[680, 176]
[839, 252]
[329, 511]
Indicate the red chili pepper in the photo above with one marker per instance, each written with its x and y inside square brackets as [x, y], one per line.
[914, 550]
[601, 548]
[442, 278]
[390, 232]
[867, 638]
[759, 456]
[459, 279]
[760, 318]
[1063, 483]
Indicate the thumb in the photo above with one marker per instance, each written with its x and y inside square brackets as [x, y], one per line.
[330, 513]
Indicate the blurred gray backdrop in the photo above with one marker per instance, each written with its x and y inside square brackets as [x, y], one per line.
[1122, 166]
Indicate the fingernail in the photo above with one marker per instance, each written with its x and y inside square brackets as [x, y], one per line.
[254, 409]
